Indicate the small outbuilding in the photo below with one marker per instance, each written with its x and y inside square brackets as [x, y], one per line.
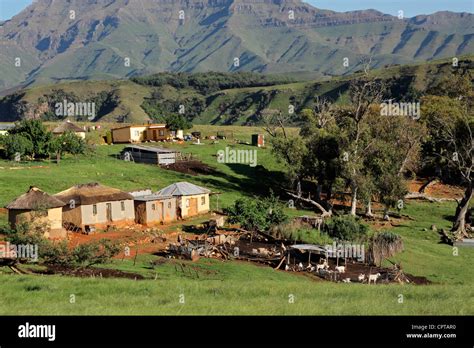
[157, 132]
[258, 140]
[191, 199]
[149, 155]
[152, 209]
[129, 134]
[68, 126]
[94, 206]
[38, 208]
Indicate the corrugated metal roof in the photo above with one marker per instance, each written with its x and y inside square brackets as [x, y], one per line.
[183, 189]
[308, 247]
[154, 197]
[149, 149]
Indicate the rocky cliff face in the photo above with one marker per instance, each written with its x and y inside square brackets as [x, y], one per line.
[84, 39]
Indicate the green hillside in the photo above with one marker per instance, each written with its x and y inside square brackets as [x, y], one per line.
[215, 98]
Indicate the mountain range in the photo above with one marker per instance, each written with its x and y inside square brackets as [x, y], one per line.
[57, 40]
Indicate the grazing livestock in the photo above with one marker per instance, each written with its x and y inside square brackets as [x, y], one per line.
[361, 277]
[341, 269]
[374, 277]
[346, 280]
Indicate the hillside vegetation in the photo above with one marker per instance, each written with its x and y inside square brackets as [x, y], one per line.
[216, 98]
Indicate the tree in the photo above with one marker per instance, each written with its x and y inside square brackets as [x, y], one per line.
[178, 122]
[37, 134]
[16, 145]
[452, 142]
[67, 143]
[365, 92]
[257, 214]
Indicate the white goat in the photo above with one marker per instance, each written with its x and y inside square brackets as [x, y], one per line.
[346, 280]
[341, 269]
[361, 277]
[374, 277]
[323, 265]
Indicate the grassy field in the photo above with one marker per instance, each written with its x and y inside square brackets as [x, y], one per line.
[223, 288]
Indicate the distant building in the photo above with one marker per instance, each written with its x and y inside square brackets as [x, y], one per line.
[129, 134]
[152, 209]
[140, 133]
[92, 206]
[38, 208]
[258, 140]
[191, 199]
[68, 126]
[157, 132]
[5, 127]
[149, 154]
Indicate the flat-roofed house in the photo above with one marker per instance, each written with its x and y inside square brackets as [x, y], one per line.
[191, 199]
[129, 134]
[152, 209]
[36, 207]
[157, 132]
[68, 126]
[94, 206]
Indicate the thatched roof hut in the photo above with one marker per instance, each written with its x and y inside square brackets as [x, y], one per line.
[40, 210]
[35, 199]
[68, 126]
[93, 193]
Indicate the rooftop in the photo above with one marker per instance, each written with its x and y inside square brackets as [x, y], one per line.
[67, 126]
[149, 149]
[35, 199]
[183, 189]
[92, 193]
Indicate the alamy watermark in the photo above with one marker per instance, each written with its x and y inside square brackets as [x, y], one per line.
[68, 109]
[391, 108]
[237, 156]
[346, 251]
[20, 251]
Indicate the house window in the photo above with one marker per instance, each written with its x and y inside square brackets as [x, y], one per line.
[122, 205]
[203, 200]
[169, 205]
[187, 203]
[94, 209]
[153, 206]
[137, 133]
[162, 133]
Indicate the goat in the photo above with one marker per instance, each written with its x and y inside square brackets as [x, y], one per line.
[361, 277]
[300, 266]
[341, 269]
[346, 280]
[374, 277]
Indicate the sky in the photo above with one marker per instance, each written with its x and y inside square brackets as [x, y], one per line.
[8, 8]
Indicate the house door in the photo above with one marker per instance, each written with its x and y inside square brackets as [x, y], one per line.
[193, 207]
[109, 212]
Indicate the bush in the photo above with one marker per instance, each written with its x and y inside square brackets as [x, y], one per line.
[346, 228]
[257, 214]
[385, 245]
[16, 144]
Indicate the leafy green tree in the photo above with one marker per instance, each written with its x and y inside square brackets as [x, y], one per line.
[16, 144]
[178, 122]
[67, 143]
[37, 134]
[257, 214]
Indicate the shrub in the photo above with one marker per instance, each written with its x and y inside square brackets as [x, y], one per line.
[346, 228]
[257, 214]
[384, 245]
